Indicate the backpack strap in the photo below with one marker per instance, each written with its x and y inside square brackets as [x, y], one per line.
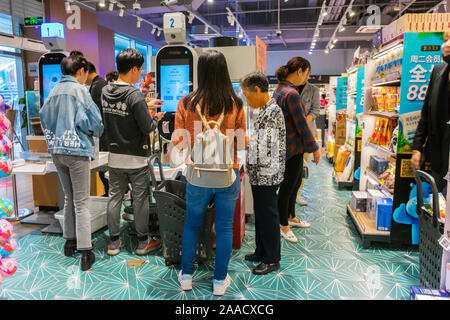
[202, 117]
[206, 123]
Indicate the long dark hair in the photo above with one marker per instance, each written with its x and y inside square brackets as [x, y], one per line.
[292, 66]
[215, 92]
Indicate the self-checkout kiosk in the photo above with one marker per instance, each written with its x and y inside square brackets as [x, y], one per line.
[176, 63]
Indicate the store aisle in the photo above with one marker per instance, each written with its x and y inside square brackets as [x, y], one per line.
[327, 263]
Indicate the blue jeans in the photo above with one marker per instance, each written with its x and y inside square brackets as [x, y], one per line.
[197, 200]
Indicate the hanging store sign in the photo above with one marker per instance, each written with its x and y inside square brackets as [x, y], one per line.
[33, 21]
[422, 51]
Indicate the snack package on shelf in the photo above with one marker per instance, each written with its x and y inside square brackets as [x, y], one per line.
[387, 178]
[342, 159]
[385, 99]
[378, 165]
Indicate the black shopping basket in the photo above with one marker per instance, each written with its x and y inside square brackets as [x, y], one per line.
[170, 197]
[430, 231]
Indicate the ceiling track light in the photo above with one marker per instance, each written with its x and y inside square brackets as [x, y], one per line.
[327, 51]
[136, 6]
[351, 13]
[206, 29]
[335, 40]
[153, 30]
[121, 12]
[342, 29]
[210, 1]
[138, 23]
[101, 3]
[111, 5]
[191, 17]
[68, 8]
[159, 33]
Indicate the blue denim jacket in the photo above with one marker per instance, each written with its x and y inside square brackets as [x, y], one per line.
[70, 119]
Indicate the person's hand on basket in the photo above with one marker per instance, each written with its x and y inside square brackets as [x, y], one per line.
[415, 160]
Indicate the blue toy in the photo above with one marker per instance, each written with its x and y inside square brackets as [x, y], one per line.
[358, 174]
[406, 213]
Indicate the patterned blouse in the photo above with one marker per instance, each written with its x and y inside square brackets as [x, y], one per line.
[266, 153]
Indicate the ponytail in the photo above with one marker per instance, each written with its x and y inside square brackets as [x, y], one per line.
[282, 73]
[293, 65]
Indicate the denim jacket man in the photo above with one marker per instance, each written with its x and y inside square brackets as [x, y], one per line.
[81, 117]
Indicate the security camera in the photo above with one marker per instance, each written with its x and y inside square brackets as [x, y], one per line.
[278, 32]
[169, 2]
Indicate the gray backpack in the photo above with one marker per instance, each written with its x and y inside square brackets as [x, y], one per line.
[211, 163]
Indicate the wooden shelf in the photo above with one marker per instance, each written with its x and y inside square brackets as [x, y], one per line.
[367, 228]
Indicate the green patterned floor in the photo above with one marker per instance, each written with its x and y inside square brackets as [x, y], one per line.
[328, 262]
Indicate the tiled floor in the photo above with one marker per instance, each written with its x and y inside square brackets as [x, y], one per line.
[328, 262]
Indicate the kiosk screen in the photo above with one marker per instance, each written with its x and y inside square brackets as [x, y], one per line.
[174, 82]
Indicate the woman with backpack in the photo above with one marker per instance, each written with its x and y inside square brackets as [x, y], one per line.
[216, 102]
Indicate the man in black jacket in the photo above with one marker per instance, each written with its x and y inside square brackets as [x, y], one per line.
[96, 84]
[432, 138]
[127, 125]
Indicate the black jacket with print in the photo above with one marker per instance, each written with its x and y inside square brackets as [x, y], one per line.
[127, 120]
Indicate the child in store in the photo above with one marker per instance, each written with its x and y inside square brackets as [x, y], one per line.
[265, 167]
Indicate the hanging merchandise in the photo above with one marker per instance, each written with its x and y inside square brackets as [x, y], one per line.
[6, 208]
[4, 123]
[5, 167]
[5, 145]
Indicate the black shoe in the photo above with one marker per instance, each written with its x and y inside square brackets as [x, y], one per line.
[70, 247]
[264, 268]
[87, 259]
[252, 257]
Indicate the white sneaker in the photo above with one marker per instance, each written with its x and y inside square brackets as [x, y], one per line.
[289, 236]
[221, 286]
[301, 224]
[185, 281]
[301, 202]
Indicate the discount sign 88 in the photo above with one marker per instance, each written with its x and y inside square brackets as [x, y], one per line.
[417, 93]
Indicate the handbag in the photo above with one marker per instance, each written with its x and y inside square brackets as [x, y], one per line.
[211, 163]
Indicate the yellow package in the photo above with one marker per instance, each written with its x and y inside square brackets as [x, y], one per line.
[341, 160]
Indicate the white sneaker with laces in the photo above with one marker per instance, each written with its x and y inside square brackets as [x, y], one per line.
[185, 281]
[220, 286]
[289, 236]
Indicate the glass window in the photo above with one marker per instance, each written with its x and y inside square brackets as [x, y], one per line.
[142, 48]
[121, 43]
[6, 23]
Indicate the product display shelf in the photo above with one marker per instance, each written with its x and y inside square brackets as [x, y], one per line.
[382, 187]
[415, 65]
[341, 183]
[391, 115]
[367, 228]
[384, 83]
[386, 152]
